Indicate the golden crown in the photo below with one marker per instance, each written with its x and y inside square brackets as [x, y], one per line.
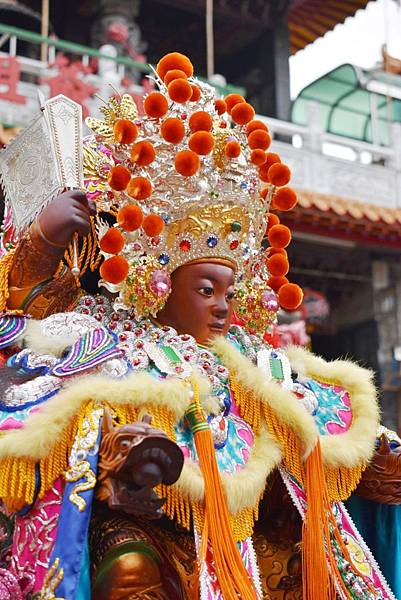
[183, 180]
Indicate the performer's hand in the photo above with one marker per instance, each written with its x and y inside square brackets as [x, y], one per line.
[70, 212]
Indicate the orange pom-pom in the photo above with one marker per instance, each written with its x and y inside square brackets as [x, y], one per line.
[278, 265]
[196, 93]
[118, 178]
[172, 130]
[242, 113]
[143, 153]
[179, 90]
[155, 105]
[201, 142]
[139, 188]
[231, 100]
[284, 199]
[273, 251]
[174, 60]
[174, 74]
[279, 174]
[264, 192]
[200, 121]
[186, 163]
[153, 225]
[220, 106]
[114, 269]
[112, 242]
[279, 236]
[271, 222]
[232, 149]
[256, 124]
[258, 157]
[277, 282]
[271, 159]
[259, 139]
[130, 217]
[290, 296]
[125, 131]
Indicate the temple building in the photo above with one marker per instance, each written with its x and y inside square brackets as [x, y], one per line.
[341, 136]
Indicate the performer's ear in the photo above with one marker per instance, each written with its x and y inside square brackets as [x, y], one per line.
[107, 424]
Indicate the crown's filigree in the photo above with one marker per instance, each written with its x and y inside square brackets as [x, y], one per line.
[116, 108]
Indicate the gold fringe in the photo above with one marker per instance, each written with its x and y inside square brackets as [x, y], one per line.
[18, 474]
[5, 267]
[249, 406]
[341, 481]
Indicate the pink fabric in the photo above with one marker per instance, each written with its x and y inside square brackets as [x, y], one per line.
[34, 537]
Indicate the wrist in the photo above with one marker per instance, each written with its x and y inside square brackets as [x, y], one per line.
[43, 234]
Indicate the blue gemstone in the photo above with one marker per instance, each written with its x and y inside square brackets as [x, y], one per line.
[166, 218]
[164, 259]
[212, 241]
[244, 185]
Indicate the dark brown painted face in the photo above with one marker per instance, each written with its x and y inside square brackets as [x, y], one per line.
[201, 299]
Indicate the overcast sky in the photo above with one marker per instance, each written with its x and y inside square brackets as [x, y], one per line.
[357, 41]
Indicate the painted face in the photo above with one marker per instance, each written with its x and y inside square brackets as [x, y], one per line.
[201, 299]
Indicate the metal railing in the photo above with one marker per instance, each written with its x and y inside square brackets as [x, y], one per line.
[13, 34]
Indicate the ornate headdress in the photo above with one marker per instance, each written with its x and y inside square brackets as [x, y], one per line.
[184, 183]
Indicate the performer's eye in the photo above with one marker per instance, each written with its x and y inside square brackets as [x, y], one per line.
[230, 295]
[206, 291]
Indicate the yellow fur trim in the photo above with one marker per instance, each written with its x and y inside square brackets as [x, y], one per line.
[348, 449]
[357, 444]
[138, 391]
[243, 489]
[344, 456]
[284, 404]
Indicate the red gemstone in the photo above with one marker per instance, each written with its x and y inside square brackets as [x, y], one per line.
[122, 337]
[185, 245]
[234, 244]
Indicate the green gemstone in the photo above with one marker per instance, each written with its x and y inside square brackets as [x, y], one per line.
[236, 226]
[170, 354]
[276, 369]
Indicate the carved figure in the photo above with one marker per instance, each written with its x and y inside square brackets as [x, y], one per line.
[236, 486]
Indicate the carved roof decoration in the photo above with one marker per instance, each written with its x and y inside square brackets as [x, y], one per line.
[343, 218]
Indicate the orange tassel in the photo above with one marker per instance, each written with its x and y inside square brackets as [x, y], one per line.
[233, 578]
[317, 581]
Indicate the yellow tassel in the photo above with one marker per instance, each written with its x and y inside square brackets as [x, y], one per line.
[248, 406]
[232, 576]
[5, 268]
[18, 474]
